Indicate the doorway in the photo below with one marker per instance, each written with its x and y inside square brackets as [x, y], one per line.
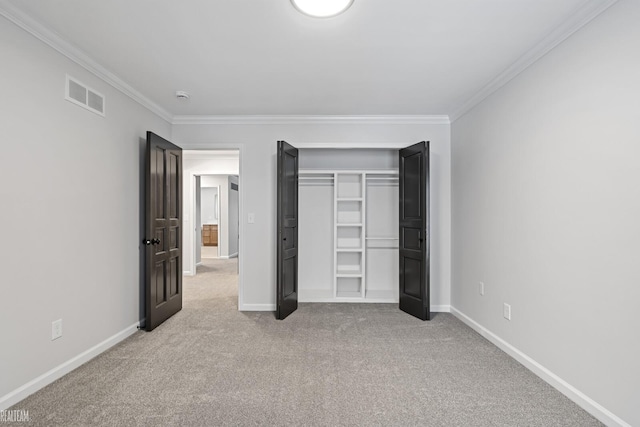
[355, 228]
[213, 203]
[217, 217]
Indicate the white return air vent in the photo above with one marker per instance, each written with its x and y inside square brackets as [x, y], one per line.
[84, 96]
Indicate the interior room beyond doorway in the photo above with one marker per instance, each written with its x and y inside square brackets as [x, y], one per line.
[217, 220]
[211, 207]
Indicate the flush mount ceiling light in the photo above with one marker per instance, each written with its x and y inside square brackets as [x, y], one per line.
[322, 8]
[182, 95]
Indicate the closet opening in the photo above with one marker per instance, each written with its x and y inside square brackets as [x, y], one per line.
[353, 227]
[348, 225]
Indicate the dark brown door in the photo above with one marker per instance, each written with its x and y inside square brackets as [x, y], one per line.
[163, 278]
[287, 245]
[414, 230]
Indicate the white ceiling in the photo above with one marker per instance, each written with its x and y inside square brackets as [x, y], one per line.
[262, 57]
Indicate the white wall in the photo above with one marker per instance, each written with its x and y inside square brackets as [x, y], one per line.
[198, 220]
[208, 207]
[234, 207]
[221, 182]
[546, 211]
[258, 189]
[71, 211]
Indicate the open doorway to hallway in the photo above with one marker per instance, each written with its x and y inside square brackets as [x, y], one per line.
[217, 216]
[212, 222]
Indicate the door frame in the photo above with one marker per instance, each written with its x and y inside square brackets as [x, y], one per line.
[208, 153]
[373, 146]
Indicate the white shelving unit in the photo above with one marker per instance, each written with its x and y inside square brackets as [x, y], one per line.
[349, 235]
[357, 235]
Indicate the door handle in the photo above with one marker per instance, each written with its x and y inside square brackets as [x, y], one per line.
[146, 242]
[155, 241]
[151, 242]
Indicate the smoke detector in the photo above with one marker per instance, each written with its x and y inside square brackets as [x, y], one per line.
[180, 94]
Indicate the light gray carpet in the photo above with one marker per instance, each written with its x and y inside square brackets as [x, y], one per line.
[326, 365]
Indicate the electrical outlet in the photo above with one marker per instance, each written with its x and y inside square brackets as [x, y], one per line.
[506, 311]
[56, 329]
[481, 288]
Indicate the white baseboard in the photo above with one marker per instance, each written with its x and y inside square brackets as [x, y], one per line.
[223, 257]
[47, 378]
[234, 255]
[272, 307]
[257, 307]
[582, 400]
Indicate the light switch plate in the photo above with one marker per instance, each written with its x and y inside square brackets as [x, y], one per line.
[507, 311]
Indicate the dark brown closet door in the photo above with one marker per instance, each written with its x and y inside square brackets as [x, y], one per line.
[414, 230]
[287, 244]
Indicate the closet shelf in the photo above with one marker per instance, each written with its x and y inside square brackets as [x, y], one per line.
[347, 224]
[339, 274]
[348, 249]
[349, 199]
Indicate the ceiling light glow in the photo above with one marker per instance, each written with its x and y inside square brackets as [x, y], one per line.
[322, 8]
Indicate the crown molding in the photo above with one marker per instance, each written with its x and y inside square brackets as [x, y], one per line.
[311, 120]
[33, 27]
[585, 14]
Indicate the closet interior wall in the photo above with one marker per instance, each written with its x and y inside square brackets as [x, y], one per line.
[348, 225]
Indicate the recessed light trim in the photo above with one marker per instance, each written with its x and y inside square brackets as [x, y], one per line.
[321, 8]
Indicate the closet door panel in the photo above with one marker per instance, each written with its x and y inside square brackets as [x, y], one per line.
[414, 231]
[287, 241]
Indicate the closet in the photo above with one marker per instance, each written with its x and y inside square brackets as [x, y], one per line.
[353, 227]
[348, 226]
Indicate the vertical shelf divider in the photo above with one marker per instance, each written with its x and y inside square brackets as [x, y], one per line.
[336, 183]
[363, 233]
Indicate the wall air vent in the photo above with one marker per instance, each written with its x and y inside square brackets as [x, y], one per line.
[84, 96]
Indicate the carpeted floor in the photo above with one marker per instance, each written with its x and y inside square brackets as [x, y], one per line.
[326, 365]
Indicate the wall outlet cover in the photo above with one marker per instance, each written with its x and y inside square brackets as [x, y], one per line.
[56, 329]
